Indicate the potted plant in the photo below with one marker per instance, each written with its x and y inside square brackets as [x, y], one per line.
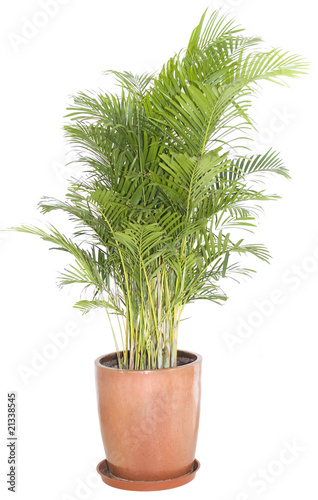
[164, 190]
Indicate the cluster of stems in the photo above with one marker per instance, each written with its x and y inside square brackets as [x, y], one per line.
[149, 330]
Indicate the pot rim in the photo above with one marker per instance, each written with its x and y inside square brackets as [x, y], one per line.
[197, 360]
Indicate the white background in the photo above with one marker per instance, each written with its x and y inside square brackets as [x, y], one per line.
[257, 395]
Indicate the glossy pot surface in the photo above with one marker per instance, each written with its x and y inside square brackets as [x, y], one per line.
[149, 419]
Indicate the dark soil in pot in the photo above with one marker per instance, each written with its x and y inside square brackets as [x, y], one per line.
[182, 359]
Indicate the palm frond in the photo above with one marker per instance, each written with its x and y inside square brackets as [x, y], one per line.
[137, 84]
[163, 186]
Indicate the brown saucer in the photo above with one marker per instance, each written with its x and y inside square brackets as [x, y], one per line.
[125, 484]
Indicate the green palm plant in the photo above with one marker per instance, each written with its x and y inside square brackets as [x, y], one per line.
[164, 184]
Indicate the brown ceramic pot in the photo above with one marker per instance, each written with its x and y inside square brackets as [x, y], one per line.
[149, 419]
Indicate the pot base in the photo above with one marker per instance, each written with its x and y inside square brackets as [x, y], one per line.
[125, 484]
